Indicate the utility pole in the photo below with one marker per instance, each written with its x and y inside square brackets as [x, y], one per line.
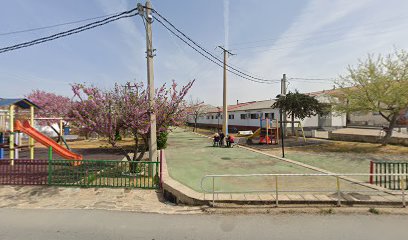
[146, 13]
[283, 93]
[224, 97]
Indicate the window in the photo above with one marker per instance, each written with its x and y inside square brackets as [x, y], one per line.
[231, 116]
[270, 115]
[208, 117]
[243, 116]
[212, 117]
[254, 115]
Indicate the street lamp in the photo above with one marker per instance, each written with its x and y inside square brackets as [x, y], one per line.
[281, 124]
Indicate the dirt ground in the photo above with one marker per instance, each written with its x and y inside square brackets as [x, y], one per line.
[87, 153]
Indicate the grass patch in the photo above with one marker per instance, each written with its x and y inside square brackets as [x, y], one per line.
[374, 211]
[326, 211]
[353, 147]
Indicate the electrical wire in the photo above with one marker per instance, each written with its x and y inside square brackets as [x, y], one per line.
[337, 29]
[107, 20]
[202, 54]
[55, 25]
[215, 58]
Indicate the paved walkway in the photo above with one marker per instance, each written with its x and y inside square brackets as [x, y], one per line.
[368, 132]
[35, 197]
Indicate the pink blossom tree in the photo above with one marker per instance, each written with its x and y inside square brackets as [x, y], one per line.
[51, 106]
[126, 109]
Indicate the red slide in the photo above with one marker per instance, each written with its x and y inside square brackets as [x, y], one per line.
[44, 140]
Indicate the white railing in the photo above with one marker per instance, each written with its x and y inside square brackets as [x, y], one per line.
[402, 179]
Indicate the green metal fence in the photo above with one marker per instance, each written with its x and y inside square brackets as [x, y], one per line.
[104, 173]
[389, 167]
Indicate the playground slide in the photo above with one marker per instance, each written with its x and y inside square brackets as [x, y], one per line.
[256, 133]
[46, 141]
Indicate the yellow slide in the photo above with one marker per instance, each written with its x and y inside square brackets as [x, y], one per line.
[256, 134]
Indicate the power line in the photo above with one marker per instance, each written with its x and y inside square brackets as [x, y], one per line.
[107, 20]
[55, 25]
[292, 44]
[337, 29]
[313, 79]
[215, 58]
[202, 54]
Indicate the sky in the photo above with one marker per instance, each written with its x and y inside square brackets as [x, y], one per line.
[306, 39]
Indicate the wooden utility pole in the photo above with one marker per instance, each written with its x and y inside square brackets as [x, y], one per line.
[147, 15]
[224, 97]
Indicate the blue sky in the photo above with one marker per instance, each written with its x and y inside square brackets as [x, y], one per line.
[302, 38]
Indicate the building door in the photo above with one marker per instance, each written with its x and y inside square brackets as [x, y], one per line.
[325, 121]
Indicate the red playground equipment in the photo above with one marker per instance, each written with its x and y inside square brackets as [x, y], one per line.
[268, 131]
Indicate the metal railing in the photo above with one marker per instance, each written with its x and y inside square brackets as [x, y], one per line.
[84, 173]
[337, 178]
[23, 172]
[104, 173]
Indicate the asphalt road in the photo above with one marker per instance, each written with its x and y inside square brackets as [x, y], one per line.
[93, 224]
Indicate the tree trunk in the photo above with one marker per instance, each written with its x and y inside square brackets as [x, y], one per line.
[293, 124]
[57, 132]
[195, 124]
[388, 131]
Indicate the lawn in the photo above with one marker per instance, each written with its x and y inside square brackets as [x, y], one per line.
[342, 157]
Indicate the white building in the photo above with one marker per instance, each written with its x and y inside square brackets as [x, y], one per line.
[247, 116]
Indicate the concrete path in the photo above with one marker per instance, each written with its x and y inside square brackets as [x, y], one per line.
[85, 224]
[368, 132]
[30, 197]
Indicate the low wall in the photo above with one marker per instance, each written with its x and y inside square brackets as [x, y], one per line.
[366, 138]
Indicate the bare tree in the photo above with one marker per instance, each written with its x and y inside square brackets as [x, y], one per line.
[197, 108]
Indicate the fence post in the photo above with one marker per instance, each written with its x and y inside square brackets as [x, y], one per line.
[371, 171]
[338, 191]
[276, 192]
[213, 191]
[161, 168]
[403, 192]
[49, 164]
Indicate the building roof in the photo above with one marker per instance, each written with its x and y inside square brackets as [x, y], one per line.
[264, 104]
[256, 105]
[20, 102]
[244, 106]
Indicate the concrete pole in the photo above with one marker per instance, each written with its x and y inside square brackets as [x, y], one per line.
[150, 83]
[224, 98]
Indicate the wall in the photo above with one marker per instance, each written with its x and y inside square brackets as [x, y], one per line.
[240, 124]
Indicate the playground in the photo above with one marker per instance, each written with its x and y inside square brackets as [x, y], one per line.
[30, 157]
[190, 157]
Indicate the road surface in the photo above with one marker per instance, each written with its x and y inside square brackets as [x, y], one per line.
[97, 224]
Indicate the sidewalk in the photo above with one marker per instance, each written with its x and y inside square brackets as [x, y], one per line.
[36, 197]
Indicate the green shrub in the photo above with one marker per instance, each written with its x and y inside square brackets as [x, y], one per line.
[162, 140]
[374, 211]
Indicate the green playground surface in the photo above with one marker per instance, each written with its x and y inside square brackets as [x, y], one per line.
[190, 157]
[343, 162]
